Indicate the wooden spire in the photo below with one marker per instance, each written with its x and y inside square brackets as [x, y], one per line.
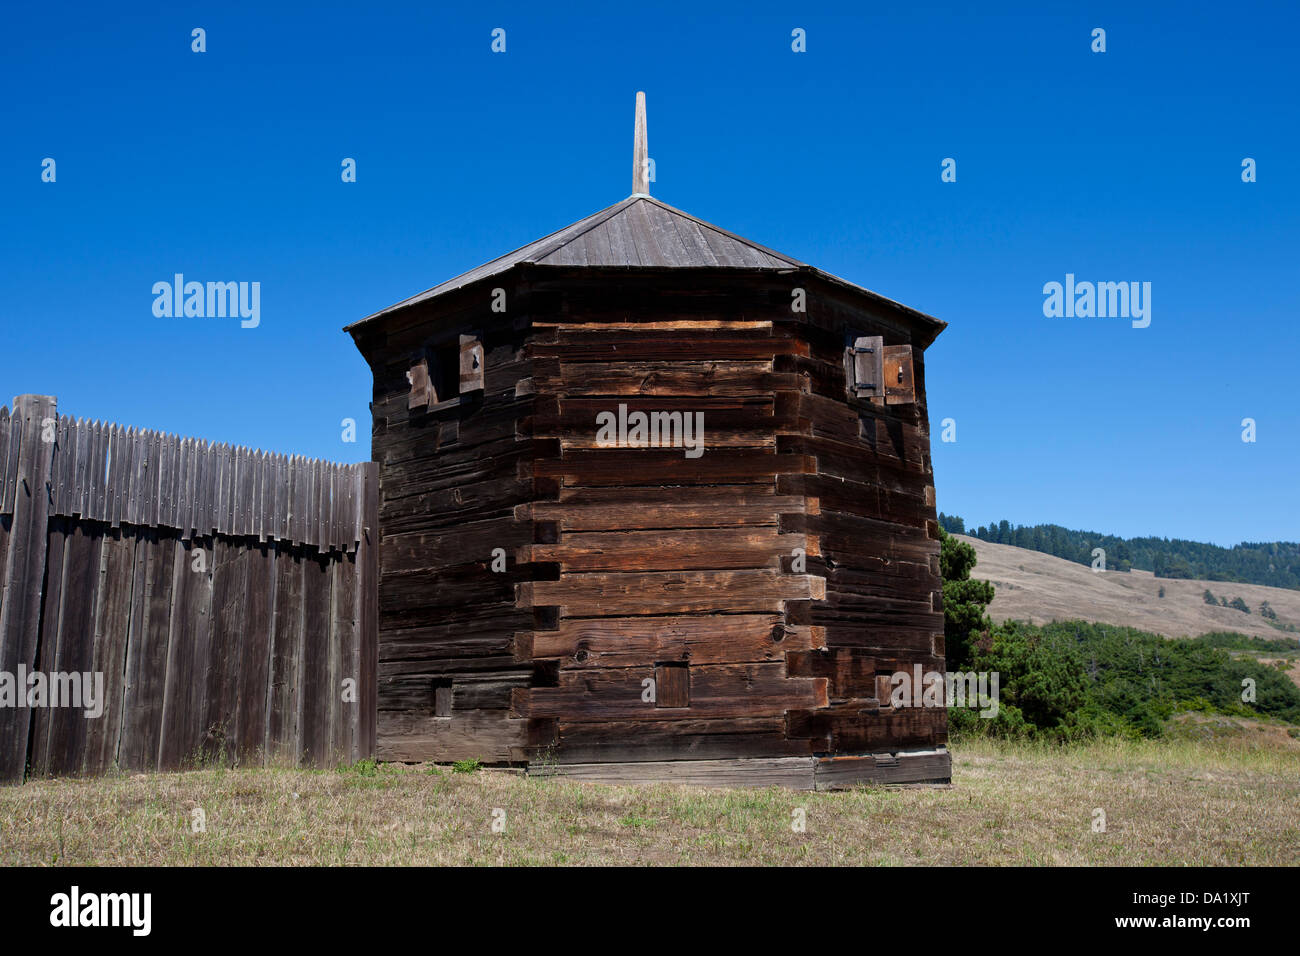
[640, 152]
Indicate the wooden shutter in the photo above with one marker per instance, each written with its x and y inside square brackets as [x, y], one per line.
[422, 393]
[899, 386]
[865, 370]
[442, 690]
[471, 364]
[672, 685]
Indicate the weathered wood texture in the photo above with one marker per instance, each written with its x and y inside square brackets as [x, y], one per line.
[796, 773]
[792, 565]
[25, 507]
[116, 475]
[452, 478]
[219, 598]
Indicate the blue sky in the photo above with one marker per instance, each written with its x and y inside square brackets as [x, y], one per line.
[1115, 166]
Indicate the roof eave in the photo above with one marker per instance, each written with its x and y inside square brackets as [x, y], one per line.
[931, 326]
[928, 326]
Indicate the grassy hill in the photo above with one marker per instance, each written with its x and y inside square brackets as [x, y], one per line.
[1037, 587]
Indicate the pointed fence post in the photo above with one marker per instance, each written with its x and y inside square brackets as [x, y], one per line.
[22, 553]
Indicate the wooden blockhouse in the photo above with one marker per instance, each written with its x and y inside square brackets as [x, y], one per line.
[630, 606]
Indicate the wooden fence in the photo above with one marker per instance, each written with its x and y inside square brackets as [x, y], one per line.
[226, 597]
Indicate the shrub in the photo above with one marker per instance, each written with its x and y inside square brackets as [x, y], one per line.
[1072, 680]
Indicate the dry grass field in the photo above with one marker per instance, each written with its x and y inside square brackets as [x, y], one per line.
[1039, 588]
[1214, 795]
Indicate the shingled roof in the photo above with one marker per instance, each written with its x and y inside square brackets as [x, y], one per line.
[640, 232]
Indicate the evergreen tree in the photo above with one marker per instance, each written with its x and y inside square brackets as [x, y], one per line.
[965, 601]
[953, 524]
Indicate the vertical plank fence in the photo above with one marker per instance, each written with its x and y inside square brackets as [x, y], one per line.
[226, 598]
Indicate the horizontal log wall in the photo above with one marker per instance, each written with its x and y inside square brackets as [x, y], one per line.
[224, 595]
[453, 476]
[878, 535]
[624, 564]
[657, 558]
[653, 557]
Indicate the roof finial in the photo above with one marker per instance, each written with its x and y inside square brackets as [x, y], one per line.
[640, 152]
